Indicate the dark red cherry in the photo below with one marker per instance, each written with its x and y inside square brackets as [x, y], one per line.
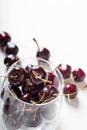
[4, 38]
[44, 53]
[65, 70]
[28, 86]
[52, 90]
[53, 78]
[11, 48]
[16, 76]
[10, 59]
[37, 74]
[48, 93]
[6, 106]
[35, 96]
[78, 75]
[70, 89]
[27, 69]
[25, 97]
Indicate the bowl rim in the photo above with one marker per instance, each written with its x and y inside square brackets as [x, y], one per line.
[37, 104]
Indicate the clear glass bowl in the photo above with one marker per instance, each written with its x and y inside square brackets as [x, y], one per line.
[16, 114]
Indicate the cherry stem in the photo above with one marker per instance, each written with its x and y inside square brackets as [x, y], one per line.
[14, 93]
[36, 44]
[55, 68]
[44, 80]
[34, 117]
[68, 79]
[55, 94]
[70, 94]
[38, 50]
[39, 100]
[7, 64]
[47, 100]
[25, 110]
[46, 67]
[11, 76]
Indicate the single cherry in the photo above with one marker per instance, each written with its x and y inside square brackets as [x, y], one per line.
[28, 86]
[48, 93]
[70, 90]
[53, 78]
[16, 76]
[10, 59]
[4, 38]
[52, 90]
[65, 70]
[27, 69]
[37, 75]
[79, 75]
[11, 48]
[43, 53]
[34, 97]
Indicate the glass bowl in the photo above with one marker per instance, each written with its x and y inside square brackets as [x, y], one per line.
[16, 114]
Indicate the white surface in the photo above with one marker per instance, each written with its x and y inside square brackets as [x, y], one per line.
[61, 26]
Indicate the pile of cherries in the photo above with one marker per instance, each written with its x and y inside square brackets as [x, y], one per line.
[9, 48]
[35, 85]
[32, 83]
[78, 75]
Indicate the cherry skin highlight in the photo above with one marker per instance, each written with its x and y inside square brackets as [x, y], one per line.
[25, 97]
[48, 93]
[44, 53]
[79, 75]
[37, 73]
[11, 48]
[16, 76]
[28, 86]
[4, 38]
[10, 59]
[70, 89]
[53, 78]
[65, 70]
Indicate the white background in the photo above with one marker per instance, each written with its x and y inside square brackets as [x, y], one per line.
[61, 26]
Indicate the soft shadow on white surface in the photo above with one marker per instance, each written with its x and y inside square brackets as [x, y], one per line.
[73, 102]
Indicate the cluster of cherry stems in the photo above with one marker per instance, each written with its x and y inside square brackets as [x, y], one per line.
[70, 89]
